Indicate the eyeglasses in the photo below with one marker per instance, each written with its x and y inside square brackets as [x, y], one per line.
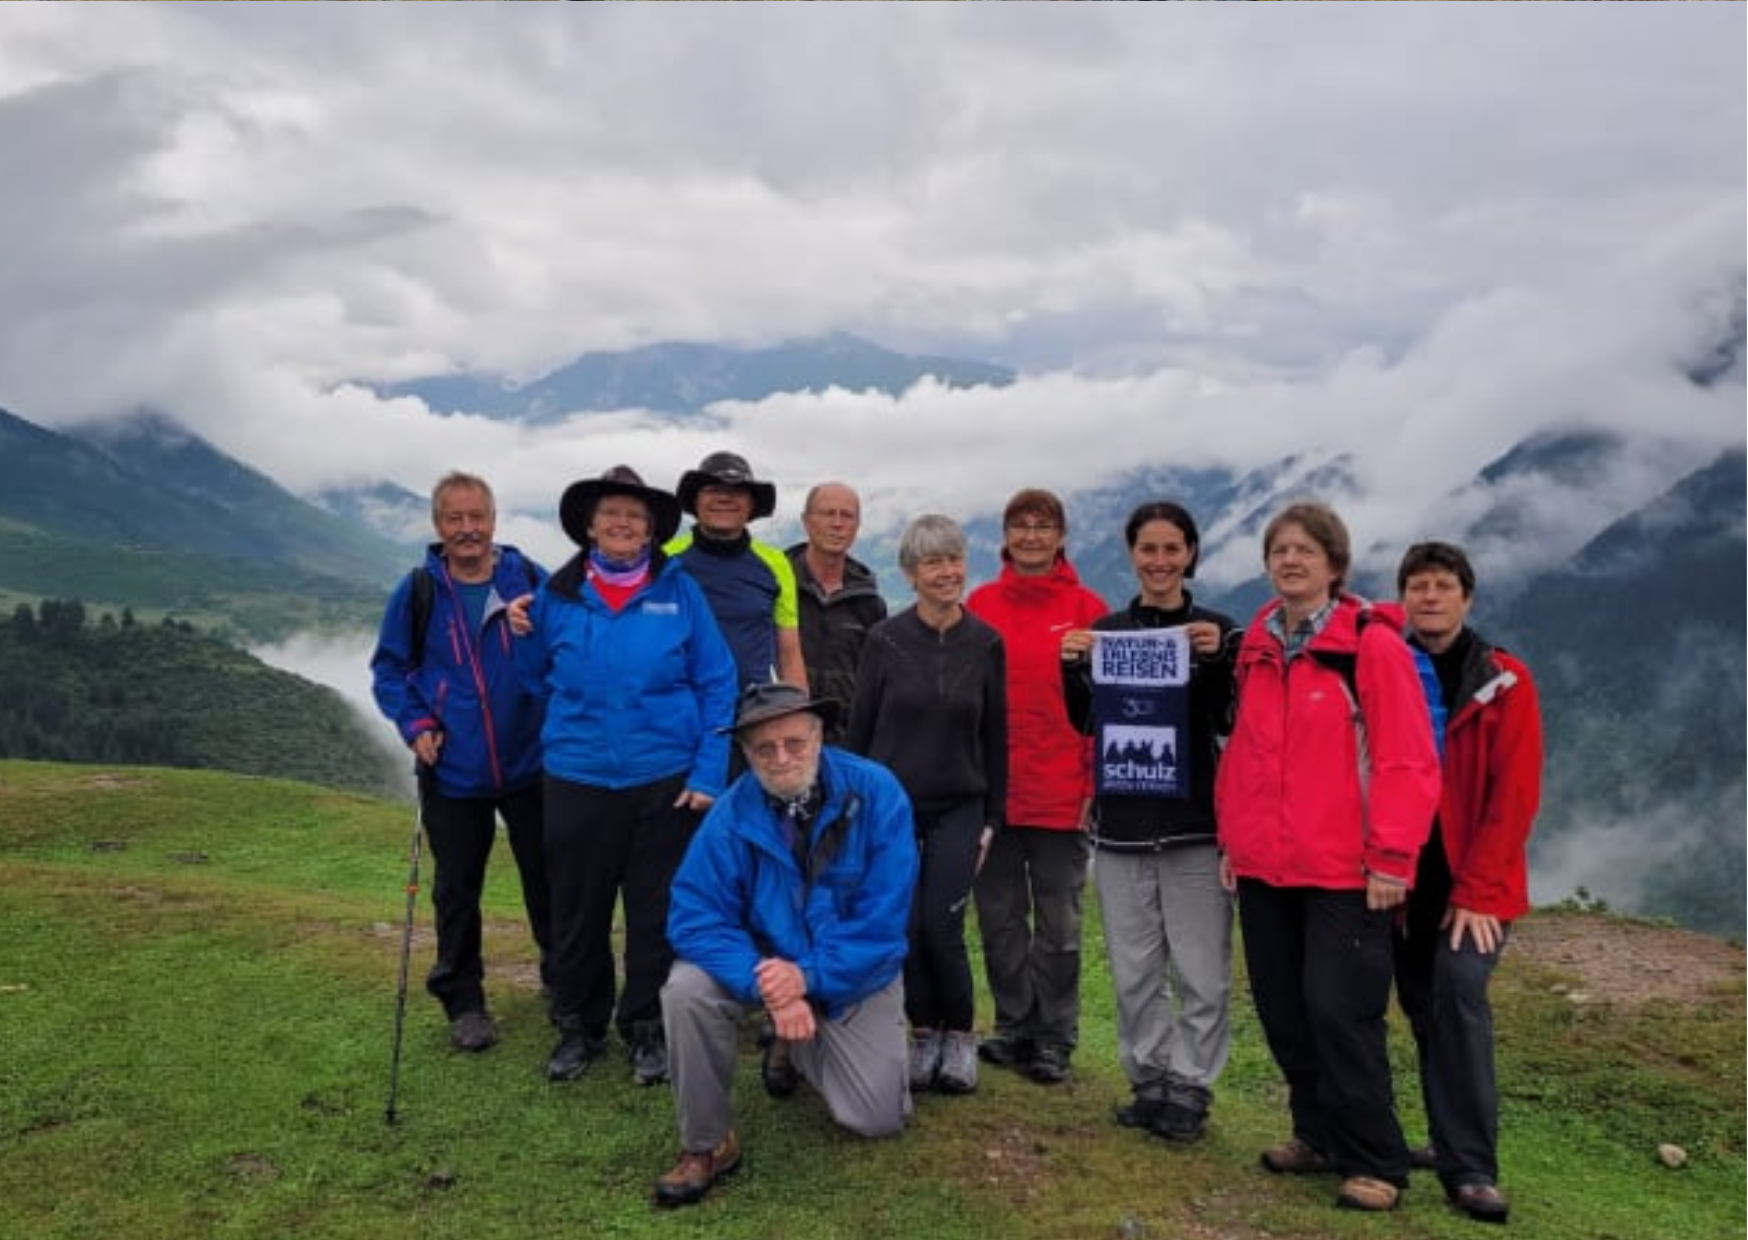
[791, 746]
[1033, 527]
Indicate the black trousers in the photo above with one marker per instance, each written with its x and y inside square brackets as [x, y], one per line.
[938, 990]
[1029, 916]
[461, 831]
[604, 845]
[1444, 993]
[1320, 971]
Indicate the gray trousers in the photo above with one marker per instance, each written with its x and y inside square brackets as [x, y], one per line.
[859, 1062]
[1168, 935]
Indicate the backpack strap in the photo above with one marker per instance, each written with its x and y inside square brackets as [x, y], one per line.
[421, 597]
[421, 593]
[1346, 664]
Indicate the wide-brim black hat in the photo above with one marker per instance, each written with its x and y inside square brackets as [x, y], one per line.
[764, 702]
[726, 469]
[577, 508]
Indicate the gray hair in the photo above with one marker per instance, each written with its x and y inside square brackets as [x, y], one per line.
[930, 535]
[456, 480]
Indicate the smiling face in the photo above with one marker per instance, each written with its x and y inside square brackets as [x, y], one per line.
[1032, 540]
[620, 527]
[466, 523]
[723, 511]
[1299, 569]
[1437, 607]
[939, 580]
[1161, 555]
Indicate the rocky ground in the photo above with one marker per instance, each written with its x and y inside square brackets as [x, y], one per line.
[1615, 960]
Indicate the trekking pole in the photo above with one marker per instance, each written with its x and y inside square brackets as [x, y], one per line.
[394, 1071]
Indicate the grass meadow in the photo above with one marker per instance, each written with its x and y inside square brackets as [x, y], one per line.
[197, 981]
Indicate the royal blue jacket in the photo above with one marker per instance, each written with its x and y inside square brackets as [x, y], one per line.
[632, 696]
[740, 895]
[465, 683]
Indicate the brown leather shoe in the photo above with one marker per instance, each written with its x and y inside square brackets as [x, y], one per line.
[697, 1172]
[1481, 1202]
[1296, 1157]
[1362, 1192]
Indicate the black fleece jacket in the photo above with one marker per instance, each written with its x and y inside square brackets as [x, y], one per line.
[1146, 823]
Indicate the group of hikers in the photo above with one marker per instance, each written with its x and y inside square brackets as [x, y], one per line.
[790, 799]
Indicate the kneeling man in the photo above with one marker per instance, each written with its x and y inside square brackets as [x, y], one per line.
[794, 896]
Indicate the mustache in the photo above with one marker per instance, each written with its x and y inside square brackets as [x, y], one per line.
[468, 538]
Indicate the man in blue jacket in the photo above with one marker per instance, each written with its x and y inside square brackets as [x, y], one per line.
[794, 897]
[444, 674]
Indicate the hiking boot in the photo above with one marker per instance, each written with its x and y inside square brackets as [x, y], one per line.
[1296, 1157]
[925, 1059]
[777, 1070]
[1176, 1122]
[1049, 1065]
[1138, 1112]
[1005, 1051]
[697, 1172]
[1362, 1192]
[576, 1050]
[473, 1032]
[649, 1053]
[958, 1072]
[1481, 1202]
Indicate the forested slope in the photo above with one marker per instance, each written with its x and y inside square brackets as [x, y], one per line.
[78, 688]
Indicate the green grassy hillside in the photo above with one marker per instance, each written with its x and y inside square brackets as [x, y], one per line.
[147, 483]
[196, 997]
[243, 599]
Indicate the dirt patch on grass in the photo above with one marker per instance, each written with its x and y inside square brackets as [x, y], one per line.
[1628, 963]
[251, 1168]
[1604, 959]
[508, 949]
[110, 781]
[1014, 1159]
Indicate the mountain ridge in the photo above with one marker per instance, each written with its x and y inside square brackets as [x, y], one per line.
[146, 481]
[1573, 574]
[141, 513]
[684, 377]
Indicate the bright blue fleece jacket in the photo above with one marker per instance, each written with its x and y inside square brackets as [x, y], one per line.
[740, 895]
[632, 696]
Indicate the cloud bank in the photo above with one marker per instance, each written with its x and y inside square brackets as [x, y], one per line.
[1202, 236]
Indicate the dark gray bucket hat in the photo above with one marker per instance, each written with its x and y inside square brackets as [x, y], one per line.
[726, 469]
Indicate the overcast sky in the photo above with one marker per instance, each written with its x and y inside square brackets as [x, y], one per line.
[1202, 235]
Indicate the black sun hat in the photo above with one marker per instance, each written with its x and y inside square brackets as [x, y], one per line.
[726, 469]
[577, 508]
[764, 702]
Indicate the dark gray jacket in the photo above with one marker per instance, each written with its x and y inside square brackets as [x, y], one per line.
[833, 628]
